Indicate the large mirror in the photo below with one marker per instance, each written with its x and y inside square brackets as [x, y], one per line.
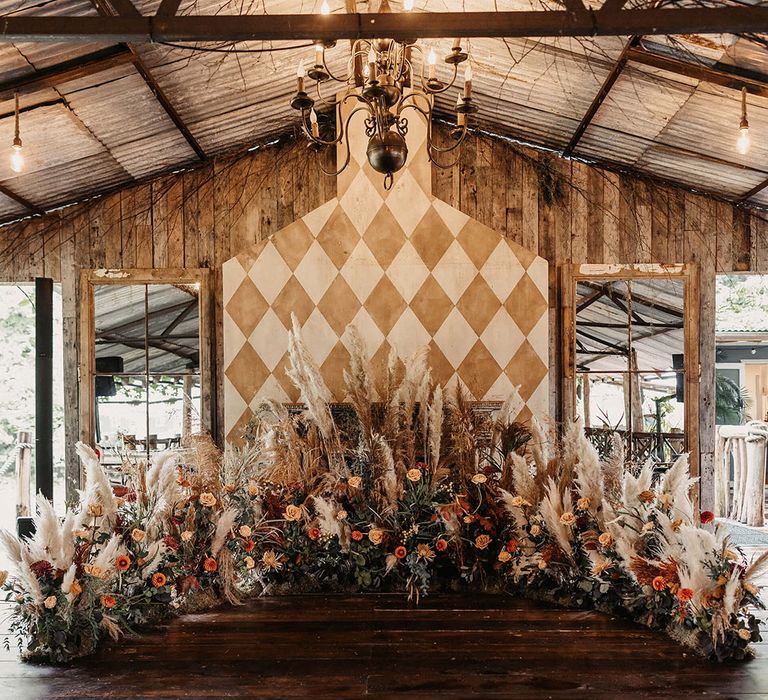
[144, 362]
[629, 356]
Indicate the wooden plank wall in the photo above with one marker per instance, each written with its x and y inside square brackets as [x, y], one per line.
[565, 210]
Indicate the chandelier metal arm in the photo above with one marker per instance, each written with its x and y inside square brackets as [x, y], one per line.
[345, 134]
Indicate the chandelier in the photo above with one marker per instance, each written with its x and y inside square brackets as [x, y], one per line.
[385, 78]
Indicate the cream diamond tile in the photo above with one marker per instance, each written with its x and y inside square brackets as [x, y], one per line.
[316, 272]
[502, 271]
[317, 218]
[454, 271]
[234, 339]
[408, 202]
[362, 271]
[538, 403]
[500, 390]
[455, 338]
[369, 332]
[407, 272]
[538, 271]
[408, 335]
[318, 336]
[453, 218]
[269, 339]
[232, 274]
[417, 130]
[361, 201]
[538, 337]
[269, 272]
[502, 337]
[233, 405]
[271, 389]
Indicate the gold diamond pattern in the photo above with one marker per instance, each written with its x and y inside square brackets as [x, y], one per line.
[382, 247]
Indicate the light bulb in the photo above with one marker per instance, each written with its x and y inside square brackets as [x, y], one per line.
[432, 57]
[742, 143]
[313, 124]
[371, 56]
[468, 73]
[407, 5]
[17, 158]
[300, 71]
[319, 54]
[313, 117]
[325, 8]
[367, 70]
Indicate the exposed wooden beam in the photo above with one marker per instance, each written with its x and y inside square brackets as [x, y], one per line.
[20, 200]
[612, 5]
[397, 25]
[122, 8]
[757, 188]
[731, 77]
[79, 67]
[168, 8]
[597, 102]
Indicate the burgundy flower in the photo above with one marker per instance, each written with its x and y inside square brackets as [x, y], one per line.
[41, 568]
[707, 516]
[171, 542]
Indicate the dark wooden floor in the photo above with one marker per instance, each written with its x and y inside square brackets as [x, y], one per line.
[348, 647]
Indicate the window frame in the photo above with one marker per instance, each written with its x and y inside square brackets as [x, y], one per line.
[572, 274]
[89, 279]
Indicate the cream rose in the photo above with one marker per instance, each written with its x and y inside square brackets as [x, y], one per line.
[252, 489]
[606, 539]
[341, 515]
[413, 474]
[568, 518]
[244, 531]
[186, 536]
[249, 562]
[376, 536]
[479, 478]
[519, 502]
[535, 530]
[138, 535]
[207, 499]
[292, 513]
[50, 602]
[745, 634]
[583, 504]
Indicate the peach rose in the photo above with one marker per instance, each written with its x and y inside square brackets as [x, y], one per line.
[413, 474]
[244, 531]
[376, 536]
[208, 499]
[355, 482]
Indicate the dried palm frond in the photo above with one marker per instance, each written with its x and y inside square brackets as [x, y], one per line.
[203, 460]
[98, 490]
[613, 469]
[462, 430]
[677, 484]
[326, 511]
[757, 568]
[360, 388]
[554, 504]
[225, 523]
[587, 468]
[109, 624]
[522, 480]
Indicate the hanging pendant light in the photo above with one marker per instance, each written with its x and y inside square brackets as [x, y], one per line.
[742, 143]
[17, 157]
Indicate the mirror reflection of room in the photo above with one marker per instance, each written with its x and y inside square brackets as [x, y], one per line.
[147, 368]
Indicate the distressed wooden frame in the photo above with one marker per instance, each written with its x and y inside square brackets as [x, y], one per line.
[689, 274]
[91, 278]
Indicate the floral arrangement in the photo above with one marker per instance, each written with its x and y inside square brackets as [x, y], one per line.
[409, 488]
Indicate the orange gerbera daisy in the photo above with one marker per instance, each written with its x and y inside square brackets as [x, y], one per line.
[210, 565]
[659, 583]
[108, 601]
[357, 535]
[684, 595]
[158, 579]
[401, 552]
[123, 562]
[441, 545]
[313, 533]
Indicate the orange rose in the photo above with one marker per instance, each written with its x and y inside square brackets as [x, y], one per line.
[659, 583]
[401, 552]
[684, 595]
[75, 588]
[108, 601]
[512, 545]
[123, 562]
[158, 579]
[441, 545]
[210, 565]
[357, 535]
[313, 533]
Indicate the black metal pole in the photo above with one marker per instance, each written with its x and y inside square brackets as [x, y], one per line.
[44, 386]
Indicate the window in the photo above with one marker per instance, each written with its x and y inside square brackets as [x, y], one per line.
[146, 361]
[628, 361]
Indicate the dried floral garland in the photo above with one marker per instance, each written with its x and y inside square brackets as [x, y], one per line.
[417, 492]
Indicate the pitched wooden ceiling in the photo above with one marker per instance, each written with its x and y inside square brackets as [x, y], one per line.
[99, 116]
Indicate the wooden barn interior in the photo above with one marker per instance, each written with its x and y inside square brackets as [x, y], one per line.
[558, 226]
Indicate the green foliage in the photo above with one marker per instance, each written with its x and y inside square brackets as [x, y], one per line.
[730, 401]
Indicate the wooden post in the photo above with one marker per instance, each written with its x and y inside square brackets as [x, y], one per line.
[585, 388]
[186, 420]
[23, 473]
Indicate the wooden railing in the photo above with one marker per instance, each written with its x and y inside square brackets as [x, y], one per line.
[639, 447]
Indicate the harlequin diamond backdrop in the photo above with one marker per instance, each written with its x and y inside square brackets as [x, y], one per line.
[407, 270]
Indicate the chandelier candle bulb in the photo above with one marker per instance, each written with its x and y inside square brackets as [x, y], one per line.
[432, 60]
[468, 82]
[300, 73]
[319, 49]
[372, 64]
[325, 8]
[313, 124]
[456, 44]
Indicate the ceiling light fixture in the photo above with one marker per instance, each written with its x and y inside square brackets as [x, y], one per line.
[742, 143]
[17, 157]
[385, 78]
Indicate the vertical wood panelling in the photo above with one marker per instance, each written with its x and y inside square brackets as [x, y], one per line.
[203, 217]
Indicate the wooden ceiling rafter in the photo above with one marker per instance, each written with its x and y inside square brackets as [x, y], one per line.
[397, 25]
[29, 206]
